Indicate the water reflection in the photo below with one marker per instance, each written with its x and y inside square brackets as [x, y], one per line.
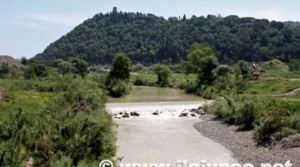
[155, 94]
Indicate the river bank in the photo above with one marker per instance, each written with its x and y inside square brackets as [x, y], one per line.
[242, 144]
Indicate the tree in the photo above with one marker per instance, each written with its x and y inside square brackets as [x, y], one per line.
[4, 69]
[24, 60]
[195, 55]
[222, 74]
[29, 72]
[65, 67]
[201, 60]
[40, 70]
[163, 75]
[80, 66]
[205, 72]
[117, 81]
[35, 70]
[294, 65]
[242, 68]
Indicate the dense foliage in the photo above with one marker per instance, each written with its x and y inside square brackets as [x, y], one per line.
[117, 82]
[147, 38]
[72, 130]
[163, 75]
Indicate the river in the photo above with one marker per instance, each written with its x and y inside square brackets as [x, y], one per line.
[164, 137]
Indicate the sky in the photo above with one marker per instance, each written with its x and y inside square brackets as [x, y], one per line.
[27, 27]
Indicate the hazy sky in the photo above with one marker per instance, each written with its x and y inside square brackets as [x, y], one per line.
[27, 27]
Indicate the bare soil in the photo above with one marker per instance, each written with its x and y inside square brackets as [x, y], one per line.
[11, 61]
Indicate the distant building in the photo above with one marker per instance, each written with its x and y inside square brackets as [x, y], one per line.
[115, 10]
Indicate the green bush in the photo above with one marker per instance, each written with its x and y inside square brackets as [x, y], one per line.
[139, 81]
[271, 120]
[247, 114]
[209, 92]
[295, 122]
[73, 128]
[163, 75]
[224, 108]
[119, 88]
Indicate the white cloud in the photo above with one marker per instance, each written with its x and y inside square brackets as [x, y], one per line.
[27, 24]
[277, 14]
[57, 19]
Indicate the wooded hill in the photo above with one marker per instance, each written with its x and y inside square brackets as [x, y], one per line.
[146, 38]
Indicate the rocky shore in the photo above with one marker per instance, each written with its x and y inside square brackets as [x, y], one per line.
[243, 145]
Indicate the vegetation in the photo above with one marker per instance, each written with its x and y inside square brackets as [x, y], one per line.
[4, 70]
[80, 66]
[149, 39]
[163, 75]
[35, 70]
[294, 64]
[70, 127]
[271, 118]
[241, 68]
[275, 65]
[118, 79]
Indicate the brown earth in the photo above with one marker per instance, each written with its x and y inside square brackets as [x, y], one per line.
[289, 93]
[2, 94]
[243, 145]
[292, 92]
[11, 61]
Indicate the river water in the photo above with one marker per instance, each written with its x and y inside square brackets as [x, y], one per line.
[163, 138]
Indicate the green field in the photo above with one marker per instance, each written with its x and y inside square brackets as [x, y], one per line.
[274, 87]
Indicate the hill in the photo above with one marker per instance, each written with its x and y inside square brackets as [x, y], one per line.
[10, 61]
[147, 38]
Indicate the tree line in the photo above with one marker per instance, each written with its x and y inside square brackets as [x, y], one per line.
[146, 38]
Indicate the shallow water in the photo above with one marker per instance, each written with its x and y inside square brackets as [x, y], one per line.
[155, 94]
[163, 138]
[167, 141]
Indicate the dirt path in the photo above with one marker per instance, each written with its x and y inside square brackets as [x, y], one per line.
[166, 137]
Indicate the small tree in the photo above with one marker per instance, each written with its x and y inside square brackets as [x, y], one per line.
[80, 66]
[35, 70]
[65, 67]
[40, 70]
[4, 69]
[24, 60]
[205, 72]
[163, 75]
[195, 54]
[117, 81]
[29, 72]
[222, 74]
[201, 60]
[242, 68]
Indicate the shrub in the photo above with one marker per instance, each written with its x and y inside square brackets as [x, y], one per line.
[276, 65]
[163, 75]
[272, 119]
[209, 92]
[73, 128]
[224, 108]
[295, 122]
[247, 114]
[139, 81]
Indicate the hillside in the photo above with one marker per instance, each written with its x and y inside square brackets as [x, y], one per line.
[11, 61]
[147, 38]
